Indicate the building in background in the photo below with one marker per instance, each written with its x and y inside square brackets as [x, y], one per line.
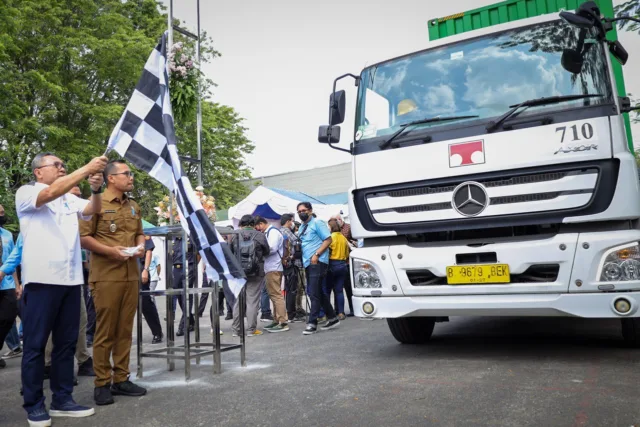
[328, 185]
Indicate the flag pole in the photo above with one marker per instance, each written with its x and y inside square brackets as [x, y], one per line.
[169, 46]
[199, 113]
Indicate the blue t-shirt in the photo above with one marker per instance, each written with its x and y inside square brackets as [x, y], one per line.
[312, 234]
[7, 248]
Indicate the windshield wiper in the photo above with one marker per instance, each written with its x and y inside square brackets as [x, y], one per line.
[384, 144]
[493, 125]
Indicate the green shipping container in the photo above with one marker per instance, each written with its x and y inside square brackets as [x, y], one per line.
[513, 10]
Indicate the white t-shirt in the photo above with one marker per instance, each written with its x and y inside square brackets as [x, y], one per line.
[51, 252]
[273, 262]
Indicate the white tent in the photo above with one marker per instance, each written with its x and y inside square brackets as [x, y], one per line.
[272, 203]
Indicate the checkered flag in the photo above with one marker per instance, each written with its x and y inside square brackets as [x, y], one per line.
[145, 136]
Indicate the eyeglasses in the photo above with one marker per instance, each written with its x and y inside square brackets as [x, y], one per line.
[303, 211]
[59, 165]
[128, 174]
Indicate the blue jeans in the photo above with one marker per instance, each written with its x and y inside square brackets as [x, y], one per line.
[49, 309]
[335, 282]
[13, 339]
[265, 302]
[319, 299]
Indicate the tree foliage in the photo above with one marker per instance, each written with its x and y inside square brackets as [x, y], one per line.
[68, 68]
[630, 8]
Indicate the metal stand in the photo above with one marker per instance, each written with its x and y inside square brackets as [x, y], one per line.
[189, 350]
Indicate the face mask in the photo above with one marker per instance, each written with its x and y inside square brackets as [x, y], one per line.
[3, 220]
[304, 216]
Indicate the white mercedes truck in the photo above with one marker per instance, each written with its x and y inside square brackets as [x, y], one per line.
[493, 176]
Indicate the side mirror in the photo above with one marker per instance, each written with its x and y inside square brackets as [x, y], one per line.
[619, 52]
[329, 134]
[576, 20]
[337, 106]
[572, 61]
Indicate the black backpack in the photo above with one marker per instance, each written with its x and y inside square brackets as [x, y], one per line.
[247, 253]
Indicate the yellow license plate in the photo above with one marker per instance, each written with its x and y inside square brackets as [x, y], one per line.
[478, 274]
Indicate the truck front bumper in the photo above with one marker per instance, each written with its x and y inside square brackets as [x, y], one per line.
[596, 305]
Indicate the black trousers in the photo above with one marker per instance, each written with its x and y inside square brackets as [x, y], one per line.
[204, 298]
[91, 309]
[348, 289]
[8, 312]
[291, 277]
[178, 283]
[150, 311]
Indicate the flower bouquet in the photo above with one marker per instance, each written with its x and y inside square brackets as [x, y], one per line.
[163, 209]
[183, 82]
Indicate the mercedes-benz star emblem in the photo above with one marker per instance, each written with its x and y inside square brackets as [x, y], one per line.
[470, 199]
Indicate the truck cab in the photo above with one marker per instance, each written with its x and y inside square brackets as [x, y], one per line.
[493, 176]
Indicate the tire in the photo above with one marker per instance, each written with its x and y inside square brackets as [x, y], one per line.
[412, 330]
[631, 331]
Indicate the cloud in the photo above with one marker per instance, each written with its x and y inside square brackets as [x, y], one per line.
[384, 83]
[439, 99]
[529, 75]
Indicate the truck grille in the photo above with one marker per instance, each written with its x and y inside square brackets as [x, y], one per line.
[530, 193]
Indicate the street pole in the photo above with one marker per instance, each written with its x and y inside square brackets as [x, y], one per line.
[199, 113]
[170, 45]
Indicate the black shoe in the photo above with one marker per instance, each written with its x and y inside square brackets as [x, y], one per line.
[157, 339]
[180, 332]
[102, 395]
[310, 330]
[86, 369]
[47, 372]
[267, 318]
[127, 388]
[331, 323]
[3, 364]
[229, 316]
[191, 327]
[351, 314]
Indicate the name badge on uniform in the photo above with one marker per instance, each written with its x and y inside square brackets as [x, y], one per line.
[110, 211]
[113, 227]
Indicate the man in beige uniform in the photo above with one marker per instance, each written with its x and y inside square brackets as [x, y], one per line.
[113, 280]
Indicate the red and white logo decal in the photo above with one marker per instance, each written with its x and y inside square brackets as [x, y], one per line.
[466, 154]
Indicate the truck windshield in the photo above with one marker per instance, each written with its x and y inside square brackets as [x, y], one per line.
[479, 77]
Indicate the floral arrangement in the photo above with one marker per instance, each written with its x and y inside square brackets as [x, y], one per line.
[164, 207]
[183, 82]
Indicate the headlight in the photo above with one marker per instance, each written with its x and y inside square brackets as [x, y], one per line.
[365, 275]
[621, 264]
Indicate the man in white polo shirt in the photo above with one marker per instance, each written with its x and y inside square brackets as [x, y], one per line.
[52, 277]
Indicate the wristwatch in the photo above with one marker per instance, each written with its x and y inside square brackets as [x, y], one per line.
[100, 190]
[317, 254]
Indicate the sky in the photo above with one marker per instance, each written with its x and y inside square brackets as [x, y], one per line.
[280, 57]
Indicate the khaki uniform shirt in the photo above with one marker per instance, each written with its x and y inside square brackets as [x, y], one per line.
[118, 224]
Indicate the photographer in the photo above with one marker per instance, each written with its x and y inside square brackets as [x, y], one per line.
[291, 266]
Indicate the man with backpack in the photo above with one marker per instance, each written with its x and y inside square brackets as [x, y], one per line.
[273, 274]
[292, 264]
[250, 247]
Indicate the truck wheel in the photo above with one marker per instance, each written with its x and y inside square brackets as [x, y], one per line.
[631, 331]
[412, 330]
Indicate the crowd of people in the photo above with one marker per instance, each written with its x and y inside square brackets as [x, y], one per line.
[72, 277]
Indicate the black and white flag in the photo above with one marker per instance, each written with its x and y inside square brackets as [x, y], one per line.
[145, 136]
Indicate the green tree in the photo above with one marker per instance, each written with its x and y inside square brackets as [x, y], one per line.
[630, 8]
[68, 68]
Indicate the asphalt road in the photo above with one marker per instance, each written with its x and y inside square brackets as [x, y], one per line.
[475, 372]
